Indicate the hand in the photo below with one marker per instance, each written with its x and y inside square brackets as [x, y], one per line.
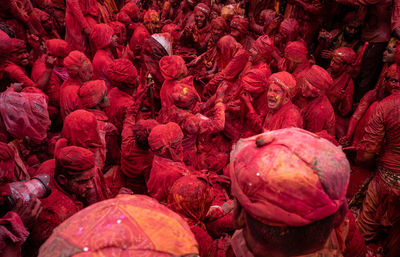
[87, 31]
[221, 90]
[50, 61]
[28, 211]
[33, 41]
[246, 98]
[125, 191]
[344, 141]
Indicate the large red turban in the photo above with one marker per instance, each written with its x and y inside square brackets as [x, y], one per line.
[101, 35]
[184, 95]
[122, 71]
[345, 54]
[173, 67]
[138, 37]
[128, 225]
[219, 22]
[286, 81]
[318, 77]
[202, 7]
[76, 61]
[5, 45]
[92, 93]
[289, 177]
[296, 50]
[254, 81]
[124, 18]
[80, 129]
[264, 46]
[119, 28]
[58, 47]
[73, 160]
[164, 135]
[241, 24]
[131, 9]
[191, 196]
[290, 28]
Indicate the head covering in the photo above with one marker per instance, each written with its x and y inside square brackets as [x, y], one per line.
[345, 54]
[122, 71]
[151, 16]
[184, 95]
[227, 47]
[17, 45]
[228, 11]
[124, 18]
[92, 92]
[202, 7]
[80, 129]
[296, 50]
[173, 67]
[286, 81]
[5, 45]
[101, 35]
[172, 29]
[73, 160]
[58, 47]
[164, 135]
[220, 23]
[76, 61]
[131, 10]
[254, 81]
[165, 40]
[318, 77]
[138, 37]
[128, 225]
[191, 196]
[143, 128]
[289, 177]
[290, 27]
[264, 46]
[268, 16]
[118, 28]
[241, 24]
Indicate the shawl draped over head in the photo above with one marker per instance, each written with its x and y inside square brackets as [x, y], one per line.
[227, 48]
[289, 177]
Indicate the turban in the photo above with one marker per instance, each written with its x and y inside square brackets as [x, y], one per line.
[191, 196]
[92, 92]
[80, 129]
[138, 37]
[202, 7]
[143, 128]
[118, 28]
[318, 77]
[184, 95]
[290, 28]
[5, 44]
[173, 67]
[130, 225]
[241, 24]
[122, 71]
[74, 159]
[57, 47]
[101, 35]
[345, 54]
[172, 29]
[76, 61]
[264, 46]
[131, 9]
[219, 22]
[289, 177]
[17, 45]
[286, 81]
[296, 50]
[164, 135]
[228, 11]
[268, 15]
[151, 16]
[124, 18]
[254, 81]
[36, 91]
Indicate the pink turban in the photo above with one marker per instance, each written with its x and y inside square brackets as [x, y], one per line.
[241, 24]
[254, 81]
[164, 135]
[202, 7]
[58, 47]
[296, 50]
[122, 71]
[101, 35]
[173, 67]
[345, 54]
[264, 46]
[75, 61]
[289, 177]
[318, 77]
[286, 81]
[290, 27]
[74, 160]
[92, 92]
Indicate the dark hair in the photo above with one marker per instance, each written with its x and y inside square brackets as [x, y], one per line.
[292, 240]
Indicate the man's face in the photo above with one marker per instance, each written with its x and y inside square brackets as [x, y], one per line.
[200, 19]
[392, 83]
[114, 40]
[307, 90]
[275, 96]
[351, 31]
[153, 26]
[20, 57]
[291, 64]
[336, 66]
[105, 101]
[217, 32]
[83, 186]
[388, 55]
[59, 60]
[235, 33]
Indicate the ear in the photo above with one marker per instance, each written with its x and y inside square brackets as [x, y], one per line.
[239, 216]
[62, 180]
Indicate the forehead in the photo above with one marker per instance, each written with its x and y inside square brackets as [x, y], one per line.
[85, 175]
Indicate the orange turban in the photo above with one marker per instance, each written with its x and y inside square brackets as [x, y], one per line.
[101, 35]
[173, 67]
[318, 77]
[92, 92]
[151, 16]
[345, 54]
[122, 71]
[289, 177]
[74, 160]
[164, 135]
[58, 47]
[286, 81]
[75, 61]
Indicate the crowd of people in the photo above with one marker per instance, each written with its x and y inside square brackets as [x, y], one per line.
[200, 128]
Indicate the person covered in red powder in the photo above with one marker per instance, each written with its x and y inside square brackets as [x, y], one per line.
[166, 143]
[295, 58]
[280, 112]
[318, 113]
[309, 175]
[80, 70]
[341, 93]
[380, 209]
